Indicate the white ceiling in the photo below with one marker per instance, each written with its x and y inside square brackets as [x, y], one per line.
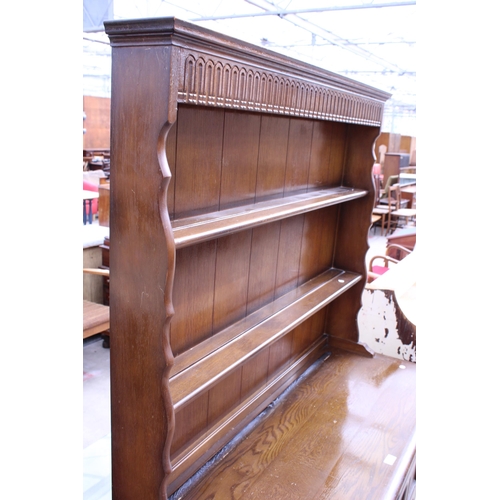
[372, 41]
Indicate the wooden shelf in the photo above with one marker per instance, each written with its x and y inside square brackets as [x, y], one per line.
[196, 229]
[201, 367]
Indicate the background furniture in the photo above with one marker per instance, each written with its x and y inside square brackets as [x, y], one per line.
[104, 204]
[90, 201]
[96, 316]
[393, 162]
[375, 269]
[405, 237]
[97, 112]
[396, 212]
[241, 203]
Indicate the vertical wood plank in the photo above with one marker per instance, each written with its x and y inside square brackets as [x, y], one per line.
[231, 279]
[190, 421]
[337, 153]
[239, 160]
[290, 243]
[298, 155]
[320, 173]
[272, 156]
[265, 240]
[193, 296]
[318, 242]
[199, 158]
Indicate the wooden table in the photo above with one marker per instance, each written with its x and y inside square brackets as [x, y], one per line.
[95, 318]
[88, 196]
[409, 193]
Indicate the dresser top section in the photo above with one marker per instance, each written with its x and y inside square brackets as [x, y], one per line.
[175, 32]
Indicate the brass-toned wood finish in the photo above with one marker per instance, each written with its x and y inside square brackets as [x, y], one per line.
[241, 199]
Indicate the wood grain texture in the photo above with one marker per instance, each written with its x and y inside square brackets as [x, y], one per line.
[326, 439]
[254, 333]
[210, 225]
[272, 156]
[263, 259]
[231, 279]
[233, 125]
[240, 157]
[208, 443]
[298, 155]
[137, 291]
[351, 246]
[198, 160]
[193, 296]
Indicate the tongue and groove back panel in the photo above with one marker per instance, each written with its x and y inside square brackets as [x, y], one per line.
[241, 198]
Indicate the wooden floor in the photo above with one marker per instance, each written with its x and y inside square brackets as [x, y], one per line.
[346, 431]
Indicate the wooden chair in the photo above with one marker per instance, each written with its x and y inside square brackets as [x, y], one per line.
[375, 270]
[96, 316]
[379, 213]
[396, 212]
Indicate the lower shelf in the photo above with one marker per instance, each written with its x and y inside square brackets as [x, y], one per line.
[186, 463]
[200, 368]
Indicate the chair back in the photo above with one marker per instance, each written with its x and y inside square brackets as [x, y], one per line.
[394, 197]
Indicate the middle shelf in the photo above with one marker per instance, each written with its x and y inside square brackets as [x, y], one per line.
[199, 368]
[204, 227]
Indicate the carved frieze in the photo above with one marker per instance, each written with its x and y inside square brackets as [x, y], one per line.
[219, 83]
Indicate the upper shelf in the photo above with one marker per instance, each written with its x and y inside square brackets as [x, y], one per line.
[205, 227]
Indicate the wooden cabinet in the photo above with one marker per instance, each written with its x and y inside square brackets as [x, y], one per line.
[240, 209]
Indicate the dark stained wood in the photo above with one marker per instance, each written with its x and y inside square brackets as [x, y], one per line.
[240, 156]
[351, 246]
[241, 197]
[198, 160]
[208, 443]
[318, 239]
[231, 279]
[193, 296]
[138, 266]
[263, 259]
[322, 139]
[272, 156]
[329, 438]
[309, 331]
[298, 155]
[251, 334]
[171, 152]
[207, 226]
[287, 266]
[190, 421]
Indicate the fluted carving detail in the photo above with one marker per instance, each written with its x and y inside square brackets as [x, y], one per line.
[221, 84]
